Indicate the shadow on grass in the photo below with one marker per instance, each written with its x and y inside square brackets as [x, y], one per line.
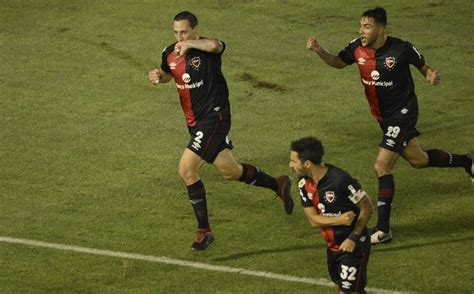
[428, 235]
[245, 254]
[431, 243]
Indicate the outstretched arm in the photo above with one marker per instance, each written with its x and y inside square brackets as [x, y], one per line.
[328, 57]
[208, 45]
[431, 75]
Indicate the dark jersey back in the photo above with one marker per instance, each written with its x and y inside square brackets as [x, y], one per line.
[201, 85]
[385, 74]
[332, 197]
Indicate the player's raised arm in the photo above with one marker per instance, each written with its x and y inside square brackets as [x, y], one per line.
[331, 59]
[207, 45]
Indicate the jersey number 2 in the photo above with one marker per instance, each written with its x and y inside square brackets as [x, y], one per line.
[197, 140]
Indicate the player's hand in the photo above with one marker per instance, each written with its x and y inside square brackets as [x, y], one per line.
[347, 218]
[181, 48]
[313, 44]
[433, 77]
[347, 246]
[154, 76]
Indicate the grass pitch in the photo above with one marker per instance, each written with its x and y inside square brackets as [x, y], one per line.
[89, 150]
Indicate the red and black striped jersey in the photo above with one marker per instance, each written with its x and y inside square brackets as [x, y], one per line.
[335, 193]
[386, 77]
[201, 85]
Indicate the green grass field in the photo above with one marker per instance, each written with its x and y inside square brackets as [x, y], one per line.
[89, 150]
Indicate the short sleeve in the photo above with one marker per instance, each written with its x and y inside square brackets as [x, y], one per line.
[353, 190]
[164, 61]
[414, 56]
[347, 54]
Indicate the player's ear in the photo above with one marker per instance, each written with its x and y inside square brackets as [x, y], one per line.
[307, 164]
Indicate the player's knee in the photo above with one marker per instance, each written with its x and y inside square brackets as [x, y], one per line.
[186, 174]
[382, 168]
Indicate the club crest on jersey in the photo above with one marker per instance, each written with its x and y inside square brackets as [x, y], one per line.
[172, 65]
[196, 62]
[390, 63]
[330, 196]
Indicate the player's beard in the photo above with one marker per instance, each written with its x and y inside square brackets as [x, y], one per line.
[299, 172]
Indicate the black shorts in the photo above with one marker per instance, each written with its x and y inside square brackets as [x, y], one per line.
[397, 134]
[349, 270]
[209, 137]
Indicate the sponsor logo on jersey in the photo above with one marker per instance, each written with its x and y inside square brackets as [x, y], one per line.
[375, 75]
[330, 196]
[377, 83]
[190, 86]
[361, 61]
[389, 63]
[196, 62]
[310, 195]
[321, 208]
[173, 65]
[332, 214]
[404, 111]
[186, 78]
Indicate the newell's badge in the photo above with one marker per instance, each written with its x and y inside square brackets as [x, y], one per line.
[196, 62]
[390, 62]
[329, 196]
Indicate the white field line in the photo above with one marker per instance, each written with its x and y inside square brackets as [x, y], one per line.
[198, 265]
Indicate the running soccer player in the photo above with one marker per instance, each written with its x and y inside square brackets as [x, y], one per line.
[384, 66]
[195, 65]
[335, 202]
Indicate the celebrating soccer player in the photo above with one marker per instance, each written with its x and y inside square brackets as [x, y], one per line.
[384, 66]
[195, 64]
[336, 203]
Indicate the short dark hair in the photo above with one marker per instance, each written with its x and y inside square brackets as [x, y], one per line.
[308, 148]
[378, 14]
[186, 15]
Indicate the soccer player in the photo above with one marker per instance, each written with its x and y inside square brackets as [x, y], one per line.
[194, 63]
[336, 203]
[384, 66]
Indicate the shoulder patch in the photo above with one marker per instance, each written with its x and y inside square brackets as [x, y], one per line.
[356, 196]
[301, 183]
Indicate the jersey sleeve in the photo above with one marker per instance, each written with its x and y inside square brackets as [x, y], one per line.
[414, 56]
[347, 54]
[164, 61]
[305, 200]
[353, 189]
[223, 47]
